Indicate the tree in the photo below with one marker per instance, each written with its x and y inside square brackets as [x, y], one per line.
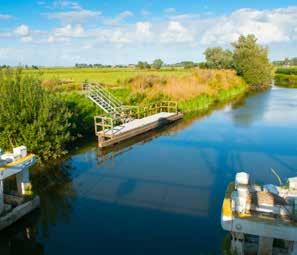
[32, 116]
[140, 65]
[157, 64]
[143, 65]
[188, 64]
[251, 61]
[218, 58]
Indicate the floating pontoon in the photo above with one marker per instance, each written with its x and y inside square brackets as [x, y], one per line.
[122, 122]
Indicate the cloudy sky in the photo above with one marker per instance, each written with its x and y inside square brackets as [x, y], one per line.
[61, 33]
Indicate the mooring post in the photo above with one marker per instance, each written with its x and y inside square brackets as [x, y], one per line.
[1, 197]
[23, 182]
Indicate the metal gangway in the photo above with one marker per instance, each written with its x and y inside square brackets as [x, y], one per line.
[123, 121]
[103, 98]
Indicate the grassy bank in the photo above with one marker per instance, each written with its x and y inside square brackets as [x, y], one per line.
[195, 90]
[50, 115]
[286, 77]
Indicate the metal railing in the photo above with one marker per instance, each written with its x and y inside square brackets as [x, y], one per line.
[102, 97]
[126, 113]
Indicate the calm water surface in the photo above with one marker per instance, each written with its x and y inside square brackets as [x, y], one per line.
[161, 196]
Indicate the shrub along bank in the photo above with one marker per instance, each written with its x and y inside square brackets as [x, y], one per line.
[286, 77]
[284, 80]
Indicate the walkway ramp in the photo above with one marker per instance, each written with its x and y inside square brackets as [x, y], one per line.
[121, 121]
[102, 98]
[110, 132]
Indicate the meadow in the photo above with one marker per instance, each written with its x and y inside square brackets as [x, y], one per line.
[193, 88]
[107, 76]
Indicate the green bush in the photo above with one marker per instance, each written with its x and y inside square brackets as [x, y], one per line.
[287, 70]
[284, 80]
[251, 61]
[83, 112]
[32, 116]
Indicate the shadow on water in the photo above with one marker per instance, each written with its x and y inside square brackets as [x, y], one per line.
[53, 184]
[21, 238]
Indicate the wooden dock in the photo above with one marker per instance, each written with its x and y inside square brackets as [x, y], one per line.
[111, 131]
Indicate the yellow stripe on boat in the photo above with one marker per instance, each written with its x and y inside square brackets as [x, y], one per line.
[227, 210]
[227, 206]
[14, 163]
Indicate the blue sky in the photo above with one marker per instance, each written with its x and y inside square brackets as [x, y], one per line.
[62, 32]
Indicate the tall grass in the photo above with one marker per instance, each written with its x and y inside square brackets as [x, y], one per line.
[195, 90]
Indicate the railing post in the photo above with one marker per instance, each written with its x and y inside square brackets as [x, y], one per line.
[111, 124]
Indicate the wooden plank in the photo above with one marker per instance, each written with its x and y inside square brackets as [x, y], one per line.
[136, 127]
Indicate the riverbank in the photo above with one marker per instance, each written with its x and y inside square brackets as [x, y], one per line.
[286, 77]
[54, 115]
[195, 90]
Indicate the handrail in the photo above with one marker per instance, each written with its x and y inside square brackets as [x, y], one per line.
[107, 95]
[104, 123]
[94, 92]
[125, 113]
[104, 91]
[102, 97]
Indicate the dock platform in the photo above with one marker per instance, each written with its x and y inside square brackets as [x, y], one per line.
[109, 132]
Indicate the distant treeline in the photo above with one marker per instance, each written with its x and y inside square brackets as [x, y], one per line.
[82, 65]
[156, 64]
[20, 66]
[286, 62]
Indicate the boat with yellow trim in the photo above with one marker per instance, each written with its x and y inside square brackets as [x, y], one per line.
[260, 219]
[16, 204]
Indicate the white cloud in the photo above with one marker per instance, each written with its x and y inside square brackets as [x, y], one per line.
[53, 39]
[73, 16]
[118, 19]
[172, 37]
[66, 4]
[143, 28]
[69, 31]
[5, 16]
[176, 33]
[26, 39]
[269, 26]
[119, 37]
[22, 30]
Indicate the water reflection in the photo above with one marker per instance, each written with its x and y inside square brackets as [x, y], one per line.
[53, 183]
[22, 238]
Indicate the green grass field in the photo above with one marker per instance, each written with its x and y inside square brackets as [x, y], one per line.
[107, 76]
[193, 88]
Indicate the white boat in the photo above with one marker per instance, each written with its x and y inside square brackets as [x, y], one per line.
[261, 219]
[16, 204]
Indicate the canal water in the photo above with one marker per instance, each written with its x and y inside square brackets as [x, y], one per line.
[161, 193]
